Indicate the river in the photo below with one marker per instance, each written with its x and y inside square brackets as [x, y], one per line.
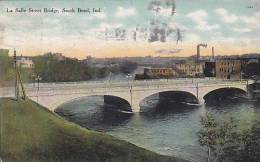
[170, 129]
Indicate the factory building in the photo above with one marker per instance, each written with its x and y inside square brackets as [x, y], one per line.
[228, 69]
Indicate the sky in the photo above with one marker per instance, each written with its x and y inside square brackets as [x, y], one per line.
[131, 27]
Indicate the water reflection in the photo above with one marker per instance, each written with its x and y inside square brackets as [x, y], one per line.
[168, 128]
[93, 113]
[162, 109]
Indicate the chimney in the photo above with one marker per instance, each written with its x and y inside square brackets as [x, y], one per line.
[198, 53]
[213, 53]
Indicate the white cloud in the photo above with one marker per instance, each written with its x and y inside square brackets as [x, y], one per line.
[226, 16]
[192, 37]
[200, 18]
[178, 25]
[252, 22]
[125, 12]
[241, 30]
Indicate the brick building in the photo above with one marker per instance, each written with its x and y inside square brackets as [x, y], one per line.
[228, 69]
[159, 72]
[192, 70]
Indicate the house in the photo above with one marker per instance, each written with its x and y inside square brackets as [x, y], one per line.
[25, 62]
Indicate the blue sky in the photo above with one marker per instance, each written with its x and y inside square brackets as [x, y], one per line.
[229, 25]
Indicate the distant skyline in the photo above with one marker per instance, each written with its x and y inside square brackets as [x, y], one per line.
[231, 26]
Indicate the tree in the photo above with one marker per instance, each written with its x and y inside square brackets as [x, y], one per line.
[207, 136]
[250, 145]
[52, 69]
[224, 140]
[128, 67]
[6, 67]
[220, 138]
[227, 141]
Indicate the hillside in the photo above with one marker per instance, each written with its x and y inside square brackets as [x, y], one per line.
[31, 133]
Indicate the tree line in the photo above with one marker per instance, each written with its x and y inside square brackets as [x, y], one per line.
[51, 69]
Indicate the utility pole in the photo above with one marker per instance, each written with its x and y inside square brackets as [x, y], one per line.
[197, 92]
[16, 86]
[38, 79]
[131, 95]
[18, 80]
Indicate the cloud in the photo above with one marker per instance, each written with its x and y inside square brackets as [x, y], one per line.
[226, 16]
[192, 37]
[178, 25]
[241, 30]
[252, 22]
[171, 51]
[125, 12]
[200, 18]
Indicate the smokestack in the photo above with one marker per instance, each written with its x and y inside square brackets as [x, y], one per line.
[198, 53]
[213, 53]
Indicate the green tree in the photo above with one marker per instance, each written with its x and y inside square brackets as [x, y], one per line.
[225, 142]
[207, 136]
[127, 67]
[6, 67]
[52, 69]
[250, 145]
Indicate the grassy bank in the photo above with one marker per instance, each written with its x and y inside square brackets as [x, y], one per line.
[31, 133]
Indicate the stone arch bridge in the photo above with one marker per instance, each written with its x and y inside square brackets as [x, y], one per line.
[52, 95]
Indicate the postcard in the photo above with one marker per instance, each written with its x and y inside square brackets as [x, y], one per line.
[130, 80]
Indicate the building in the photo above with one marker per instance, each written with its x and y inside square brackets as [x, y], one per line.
[191, 70]
[25, 62]
[210, 69]
[159, 72]
[228, 69]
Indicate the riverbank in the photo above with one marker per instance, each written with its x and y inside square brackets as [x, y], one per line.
[30, 132]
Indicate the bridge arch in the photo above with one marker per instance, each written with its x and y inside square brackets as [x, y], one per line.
[173, 96]
[114, 102]
[224, 93]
